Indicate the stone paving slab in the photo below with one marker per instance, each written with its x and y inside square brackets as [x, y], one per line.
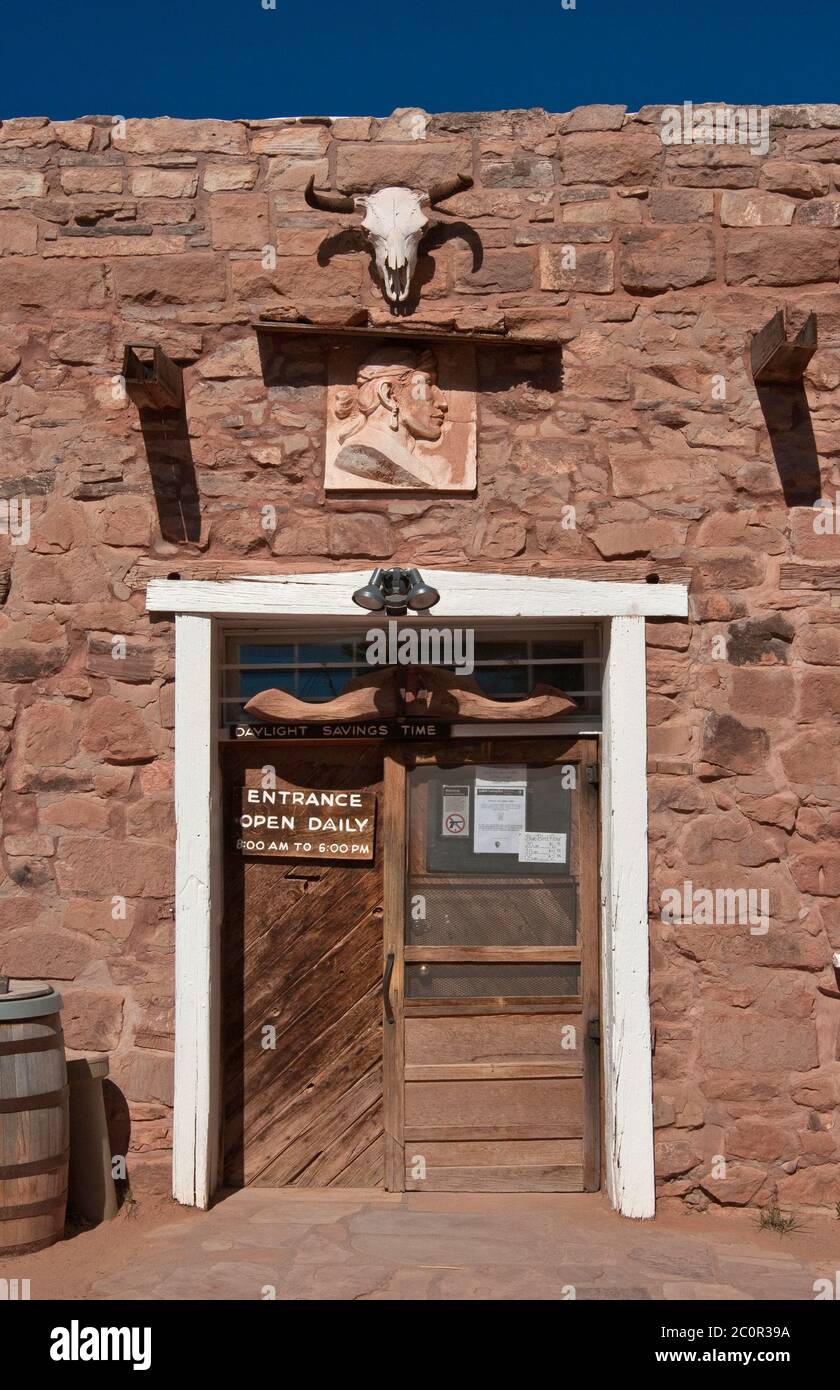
[335, 1246]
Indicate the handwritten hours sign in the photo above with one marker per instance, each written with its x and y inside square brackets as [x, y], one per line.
[283, 824]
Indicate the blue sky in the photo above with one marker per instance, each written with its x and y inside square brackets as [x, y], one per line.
[228, 58]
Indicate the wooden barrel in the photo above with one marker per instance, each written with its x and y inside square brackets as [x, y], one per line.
[34, 1121]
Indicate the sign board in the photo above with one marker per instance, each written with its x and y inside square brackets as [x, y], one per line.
[280, 823]
[500, 805]
[542, 847]
[351, 728]
[455, 812]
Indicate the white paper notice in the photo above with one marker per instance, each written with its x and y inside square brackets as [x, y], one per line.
[455, 813]
[500, 797]
[542, 847]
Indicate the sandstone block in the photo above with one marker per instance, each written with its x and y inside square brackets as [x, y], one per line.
[817, 145]
[792, 256]
[107, 180]
[689, 205]
[365, 537]
[760, 641]
[818, 872]
[144, 1075]
[299, 141]
[45, 954]
[417, 164]
[163, 183]
[819, 695]
[754, 208]
[239, 221]
[654, 260]
[499, 273]
[18, 234]
[735, 1038]
[590, 273]
[822, 212]
[92, 1019]
[812, 1187]
[799, 180]
[729, 744]
[36, 284]
[17, 183]
[101, 867]
[597, 117]
[186, 278]
[230, 178]
[674, 1157]
[116, 730]
[517, 171]
[738, 1188]
[164, 134]
[625, 539]
[298, 278]
[628, 157]
[125, 521]
[820, 646]
[77, 813]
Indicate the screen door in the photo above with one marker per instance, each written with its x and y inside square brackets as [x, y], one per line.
[491, 990]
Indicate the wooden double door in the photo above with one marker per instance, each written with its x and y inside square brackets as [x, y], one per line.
[427, 1019]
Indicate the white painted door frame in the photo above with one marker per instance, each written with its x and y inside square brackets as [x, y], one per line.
[201, 608]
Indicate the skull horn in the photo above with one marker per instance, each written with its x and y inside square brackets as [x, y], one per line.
[439, 192]
[328, 202]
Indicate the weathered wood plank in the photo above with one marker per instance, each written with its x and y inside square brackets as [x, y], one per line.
[512, 954]
[484, 1103]
[492, 1071]
[489, 1178]
[492, 1038]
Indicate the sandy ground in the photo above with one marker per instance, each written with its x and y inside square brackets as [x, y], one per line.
[349, 1244]
[87, 1254]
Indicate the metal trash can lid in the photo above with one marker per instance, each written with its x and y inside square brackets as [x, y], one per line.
[29, 1003]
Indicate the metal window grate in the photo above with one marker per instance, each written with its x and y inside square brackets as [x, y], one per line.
[316, 667]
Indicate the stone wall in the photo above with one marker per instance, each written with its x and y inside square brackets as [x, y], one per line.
[156, 231]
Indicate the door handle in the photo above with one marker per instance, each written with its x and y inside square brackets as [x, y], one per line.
[386, 986]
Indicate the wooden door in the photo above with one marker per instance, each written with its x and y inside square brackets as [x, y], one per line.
[492, 1058]
[302, 1005]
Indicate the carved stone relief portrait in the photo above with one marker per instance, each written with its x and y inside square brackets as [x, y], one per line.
[401, 418]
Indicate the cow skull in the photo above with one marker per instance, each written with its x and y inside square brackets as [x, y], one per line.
[394, 222]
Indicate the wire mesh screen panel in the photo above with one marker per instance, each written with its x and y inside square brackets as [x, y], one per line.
[491, 980]
[499, 912]
[486, 819]
[501, 967]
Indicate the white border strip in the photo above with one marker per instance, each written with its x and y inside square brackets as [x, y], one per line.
[626, 1047]
[625, 987]
[198, 902]
[462, 595]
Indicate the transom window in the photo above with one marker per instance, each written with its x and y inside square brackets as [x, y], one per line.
[316, 668]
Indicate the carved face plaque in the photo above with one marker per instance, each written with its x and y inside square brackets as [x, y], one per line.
[401, 418]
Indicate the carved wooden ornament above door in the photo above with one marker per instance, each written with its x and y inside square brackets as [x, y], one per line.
[424, 691]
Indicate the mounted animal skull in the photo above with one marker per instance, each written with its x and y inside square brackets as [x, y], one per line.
[395, 221]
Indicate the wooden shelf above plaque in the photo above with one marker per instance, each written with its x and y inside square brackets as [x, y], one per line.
[417, 333]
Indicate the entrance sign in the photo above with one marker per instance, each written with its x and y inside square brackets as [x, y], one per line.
[279, 823]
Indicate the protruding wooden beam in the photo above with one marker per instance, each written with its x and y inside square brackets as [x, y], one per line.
[152, 379]
[775, 356]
